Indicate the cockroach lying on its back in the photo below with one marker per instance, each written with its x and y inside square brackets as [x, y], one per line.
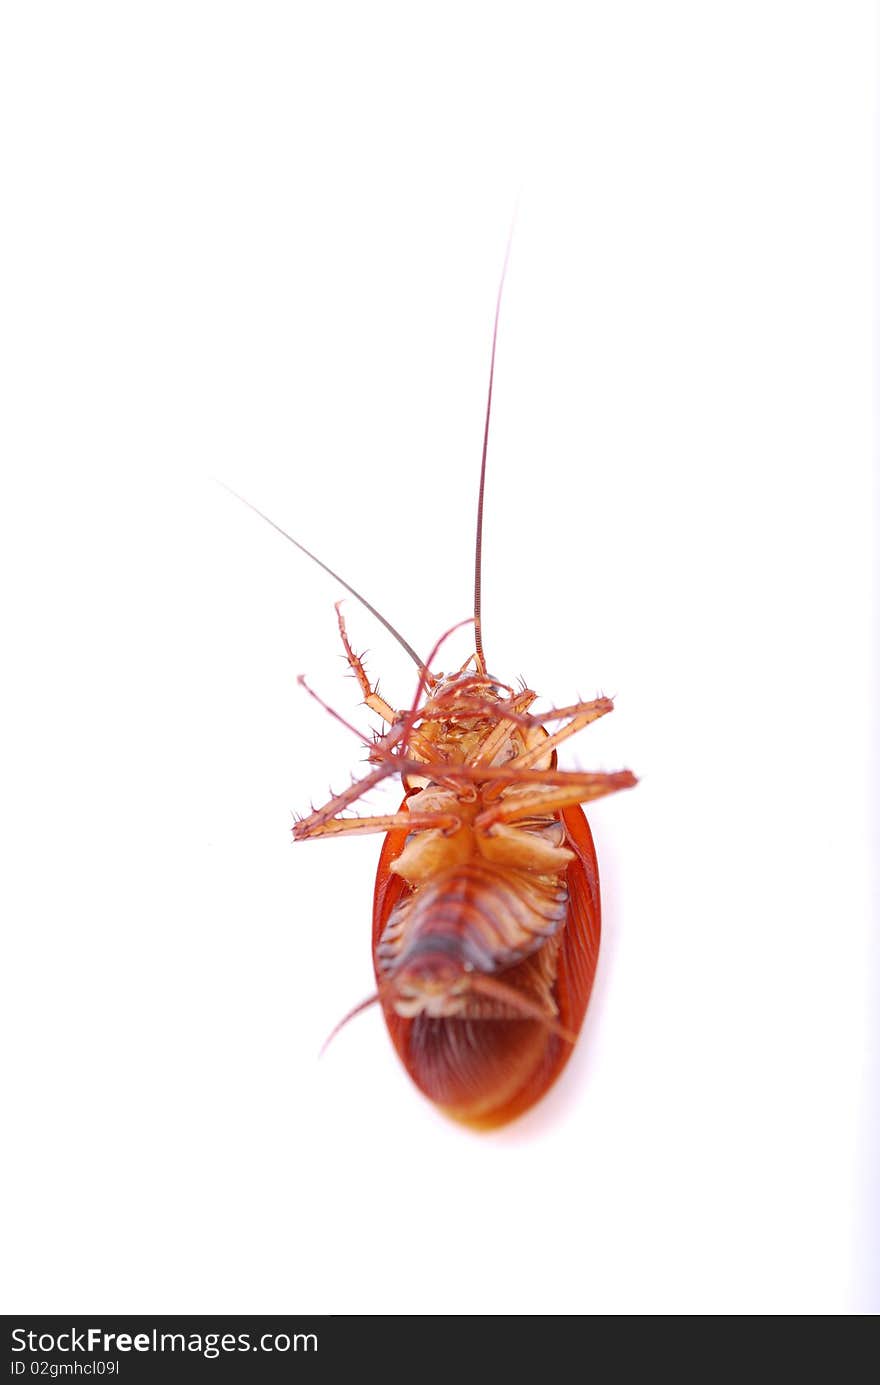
[486, 917]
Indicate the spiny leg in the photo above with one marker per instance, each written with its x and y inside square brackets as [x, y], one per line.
[455, 776]
[380, 749]
[331, 711]
[371, 696]
[496, 737]
[576, 788]
[310, 825]
[582, 713]
[560, 713]
[390, 822]
[325, 821]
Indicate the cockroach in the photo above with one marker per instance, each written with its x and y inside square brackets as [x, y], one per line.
[486, 912]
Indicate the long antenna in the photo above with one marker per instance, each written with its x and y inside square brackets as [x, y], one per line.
[478, 555]
[335, 575]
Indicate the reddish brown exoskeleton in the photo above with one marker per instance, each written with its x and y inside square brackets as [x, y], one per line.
[486, 915]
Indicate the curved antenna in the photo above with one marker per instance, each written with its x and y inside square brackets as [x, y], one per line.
[521, 1005]
[478, 556]
[404, 644]
[355, 1010]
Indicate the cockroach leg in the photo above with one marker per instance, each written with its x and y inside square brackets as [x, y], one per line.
[379, 751]
[391, 822]
[580, 788]
[485, 707]
[307, 826]
[372, 699]
[583, 714]
[562, 713]
[331, 711]
[501, 733]
[384, 746]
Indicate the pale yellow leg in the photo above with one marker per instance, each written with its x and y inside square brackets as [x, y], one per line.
[496, 738]
[371, 698]
[316, 826]
[574, 788]
[582, 714]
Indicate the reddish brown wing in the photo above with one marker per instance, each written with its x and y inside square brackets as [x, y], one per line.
[389, 887]
[580, 950]
[487, 1072]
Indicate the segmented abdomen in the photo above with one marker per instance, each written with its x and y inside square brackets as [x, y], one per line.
[488, 917]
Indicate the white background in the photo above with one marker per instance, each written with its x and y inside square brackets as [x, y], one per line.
[261, 243]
